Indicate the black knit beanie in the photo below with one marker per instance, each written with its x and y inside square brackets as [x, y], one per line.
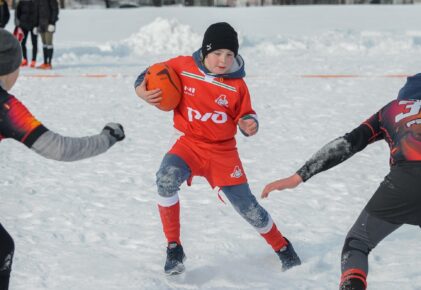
[220, 35]
[10, 53]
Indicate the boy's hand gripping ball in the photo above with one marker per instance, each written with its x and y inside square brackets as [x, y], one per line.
[161, 76]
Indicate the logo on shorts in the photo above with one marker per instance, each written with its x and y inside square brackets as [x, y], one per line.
[237, 173]
[222, 101]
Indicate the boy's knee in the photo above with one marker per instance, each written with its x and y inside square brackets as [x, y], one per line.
[169, 180]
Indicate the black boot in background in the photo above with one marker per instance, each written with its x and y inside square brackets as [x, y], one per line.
[45, 54]
[50, 55]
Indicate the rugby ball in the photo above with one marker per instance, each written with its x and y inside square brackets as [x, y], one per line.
[161, 76]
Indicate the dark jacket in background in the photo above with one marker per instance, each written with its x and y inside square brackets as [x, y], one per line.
[4, 13]
[47, 13]
[26, 14]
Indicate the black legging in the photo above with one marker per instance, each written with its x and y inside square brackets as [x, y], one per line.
[397, 201]
[363, 237]
[7, 248]
[34, 40]
[48, 48]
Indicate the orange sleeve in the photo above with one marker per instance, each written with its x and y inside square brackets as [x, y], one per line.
[244, 107]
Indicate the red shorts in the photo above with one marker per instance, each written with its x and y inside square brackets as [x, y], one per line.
[219, 163]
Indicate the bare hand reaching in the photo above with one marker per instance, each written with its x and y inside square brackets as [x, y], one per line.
[281, 184]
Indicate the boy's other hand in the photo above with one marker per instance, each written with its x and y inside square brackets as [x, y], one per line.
[249, 126]
[281, 184]
[152, 97]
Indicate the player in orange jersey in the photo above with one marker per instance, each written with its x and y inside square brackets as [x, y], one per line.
[18, 123]
[215, 100]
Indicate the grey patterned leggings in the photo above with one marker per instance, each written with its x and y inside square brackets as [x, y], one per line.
[174, 171]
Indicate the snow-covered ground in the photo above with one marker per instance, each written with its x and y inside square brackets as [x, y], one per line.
[94, 224]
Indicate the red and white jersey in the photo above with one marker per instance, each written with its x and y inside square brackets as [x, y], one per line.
[210, 107]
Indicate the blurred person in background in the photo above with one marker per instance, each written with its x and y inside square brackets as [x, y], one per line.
[47, 17]
[26, 17]
[4, 13]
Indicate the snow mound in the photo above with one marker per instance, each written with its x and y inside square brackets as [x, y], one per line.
[163, 36]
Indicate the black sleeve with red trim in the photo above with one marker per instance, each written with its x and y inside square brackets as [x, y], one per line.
[342, 148]
[368, 132]
[17, 122]
[34, 135]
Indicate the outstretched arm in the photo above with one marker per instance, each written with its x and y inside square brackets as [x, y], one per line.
[281, 184]
[18, 123]
[330, 155]
[54, 146]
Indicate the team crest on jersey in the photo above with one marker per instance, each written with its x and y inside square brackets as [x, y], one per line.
[189, 91]
[222, 101]
[237, 173]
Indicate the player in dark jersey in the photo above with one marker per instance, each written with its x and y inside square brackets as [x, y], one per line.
[18, 123]
[397, 201]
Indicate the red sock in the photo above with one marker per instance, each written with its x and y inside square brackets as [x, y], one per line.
[275, 238]
[354, 274]
[170, 218]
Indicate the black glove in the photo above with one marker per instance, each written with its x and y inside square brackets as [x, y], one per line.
[114, 132]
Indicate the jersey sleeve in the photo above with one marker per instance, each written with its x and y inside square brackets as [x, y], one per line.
[342, 148]
[54, 12]
[140, 78]
[18, 123]
[368, 132]
[244, 107]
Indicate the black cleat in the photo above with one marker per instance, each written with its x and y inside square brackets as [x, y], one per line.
[288, 257]
[175, 258]
[353, 284]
